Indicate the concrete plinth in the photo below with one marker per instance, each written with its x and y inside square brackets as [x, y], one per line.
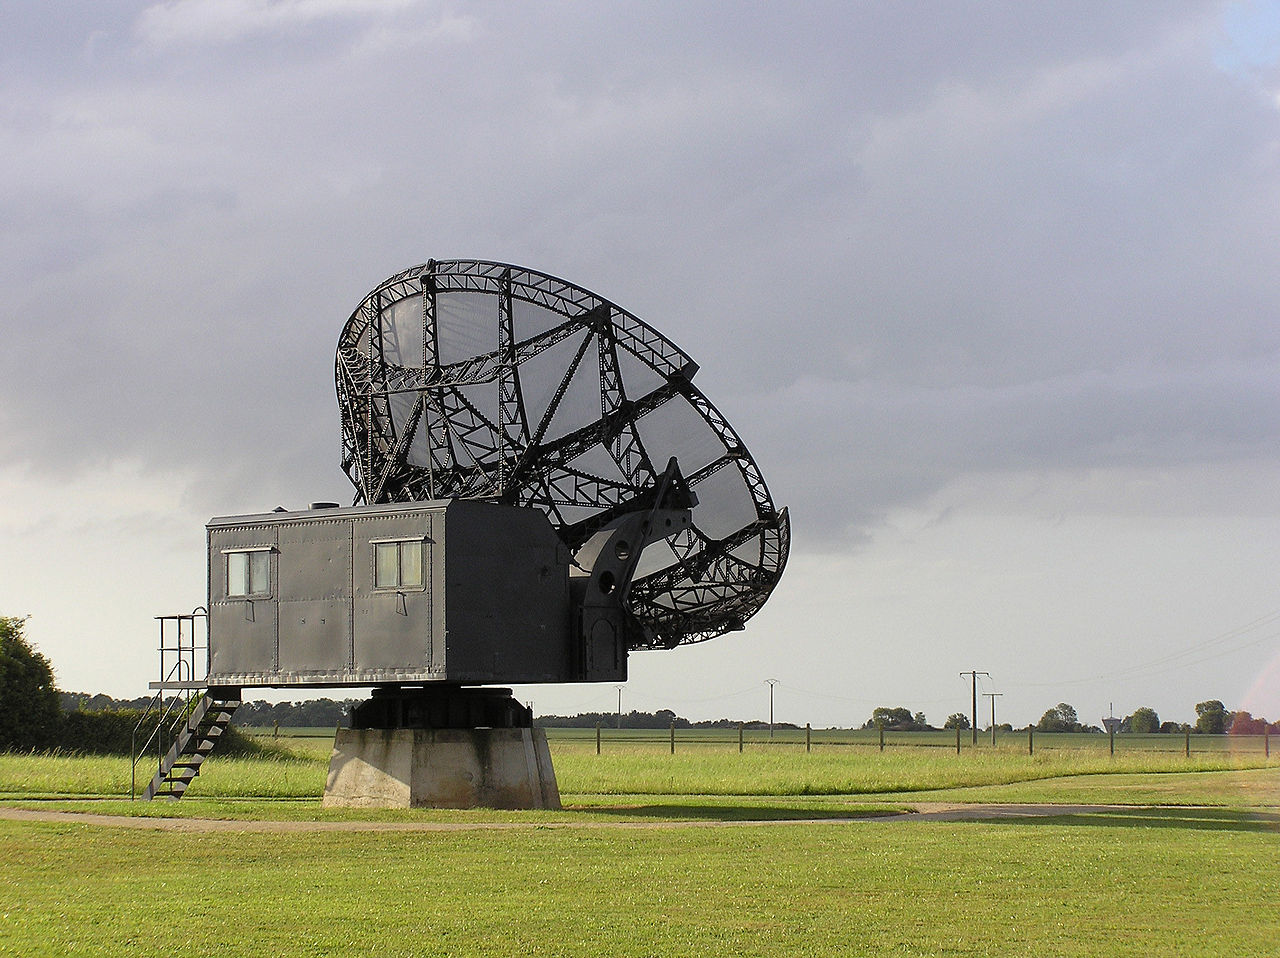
[441, 768]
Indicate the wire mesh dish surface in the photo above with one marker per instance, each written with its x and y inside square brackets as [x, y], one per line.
[474, 379]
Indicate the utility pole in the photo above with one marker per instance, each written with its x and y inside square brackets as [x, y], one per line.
[974, 675]
[619, 688]
[993, 696]
[771, 684]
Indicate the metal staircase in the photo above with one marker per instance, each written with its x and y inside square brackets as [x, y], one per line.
[179, 731]
[195, 737]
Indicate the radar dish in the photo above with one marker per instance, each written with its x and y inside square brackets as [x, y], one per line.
[473, 379]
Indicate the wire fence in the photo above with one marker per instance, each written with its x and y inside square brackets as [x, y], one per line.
[810, 739]
[755, 738]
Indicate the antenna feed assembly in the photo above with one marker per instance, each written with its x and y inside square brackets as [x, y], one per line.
[605, 566]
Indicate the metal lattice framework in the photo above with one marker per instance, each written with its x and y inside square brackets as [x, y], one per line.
[473, 379]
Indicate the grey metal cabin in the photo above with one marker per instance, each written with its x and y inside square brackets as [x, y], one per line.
[459, 591]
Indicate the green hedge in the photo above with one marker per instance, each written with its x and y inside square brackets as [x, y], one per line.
[107, 732]
[110, 732]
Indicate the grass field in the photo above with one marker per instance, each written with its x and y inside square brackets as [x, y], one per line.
[635, 763]
[1181, 884]
[669, 855]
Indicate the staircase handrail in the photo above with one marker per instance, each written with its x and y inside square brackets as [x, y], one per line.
[180, 703]
[180, 674]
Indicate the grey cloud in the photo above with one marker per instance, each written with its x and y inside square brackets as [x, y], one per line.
[935, 260]
[193, 22]
[859, 450]
[972, 227]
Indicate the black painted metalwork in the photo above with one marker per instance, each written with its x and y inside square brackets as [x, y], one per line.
[472, 379]
[441, 707]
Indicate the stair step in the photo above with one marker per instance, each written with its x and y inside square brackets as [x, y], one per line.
[195, 737]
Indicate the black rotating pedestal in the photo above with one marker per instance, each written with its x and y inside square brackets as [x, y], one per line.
[442, 706]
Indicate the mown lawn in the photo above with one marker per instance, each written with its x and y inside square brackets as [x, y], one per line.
[714, 873]
[295, 768]
[1181, 883]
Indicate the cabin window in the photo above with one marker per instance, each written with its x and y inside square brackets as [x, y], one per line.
[398, 564]
[248, 573]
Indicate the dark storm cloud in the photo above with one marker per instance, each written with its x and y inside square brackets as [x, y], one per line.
[935, 239]
[896, 444]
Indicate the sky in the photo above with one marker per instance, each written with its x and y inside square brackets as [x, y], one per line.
[991, 291]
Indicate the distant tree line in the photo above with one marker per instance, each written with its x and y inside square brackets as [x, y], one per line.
[84, 702]
[663, 718]
[1062, 718]
[898, 719]
[1212, 718]
[35, 715]
[314, 713]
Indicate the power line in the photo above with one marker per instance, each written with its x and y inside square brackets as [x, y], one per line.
[1217, 640]
[876, 701]
[665, 698]
[1165, 664]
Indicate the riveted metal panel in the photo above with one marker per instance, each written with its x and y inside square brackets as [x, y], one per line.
[246, 626]
[507, 592]
[492, 606]
[395, 629]
[315, 595]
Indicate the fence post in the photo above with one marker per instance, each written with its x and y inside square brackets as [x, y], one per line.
[597, 738]
[882, 737]
[1187, 746]
[1266, 741]
[807, 730]
[673, 736]
[739, 738]
[957, 739]
[1112, 736]
[1031, 742]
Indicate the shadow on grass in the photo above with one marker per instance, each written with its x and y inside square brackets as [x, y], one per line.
[729, 813]
[1196, 819]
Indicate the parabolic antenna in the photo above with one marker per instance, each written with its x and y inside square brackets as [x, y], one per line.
[480, 380]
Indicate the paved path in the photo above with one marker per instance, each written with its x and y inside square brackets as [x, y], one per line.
[924, 811]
